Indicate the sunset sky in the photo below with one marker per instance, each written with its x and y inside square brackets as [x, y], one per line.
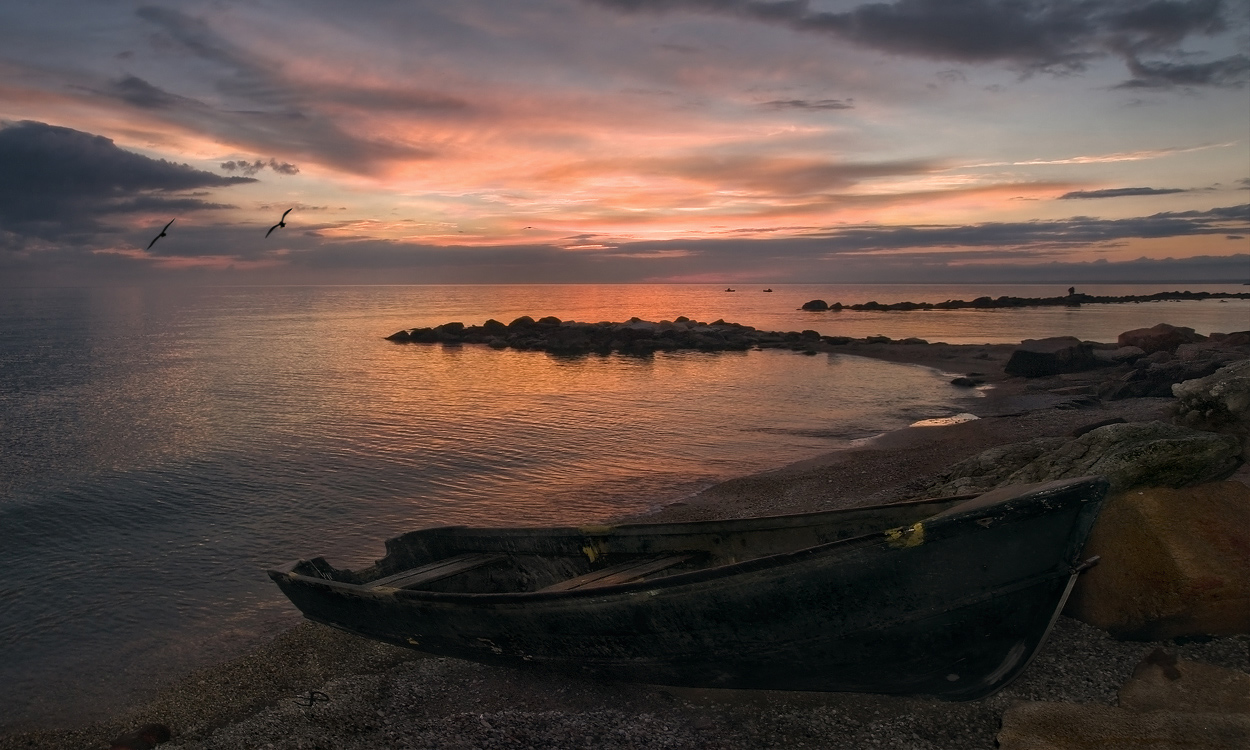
[624, 140]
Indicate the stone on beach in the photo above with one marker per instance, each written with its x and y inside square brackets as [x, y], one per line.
[1035, 725]
[1138, 454]
[1220, 402]
[1166, 703]
[1162, 682]
[1040, 357]
[145, 737]
[1174, 562]
[1160, 338]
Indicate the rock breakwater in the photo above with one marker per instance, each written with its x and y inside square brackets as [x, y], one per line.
[985, 303]
[635, 336]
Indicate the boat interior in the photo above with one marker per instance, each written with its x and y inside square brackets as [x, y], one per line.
[458, 559]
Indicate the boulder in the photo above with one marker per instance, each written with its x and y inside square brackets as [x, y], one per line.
[1220, 401]
[1037, 725]
[1138, 454]
[1036, 358]
[1161, 682]
[1173, 562]
[816, 304]
[1135, 454]
[1160, 338]
[987, 470]
[1154, 376]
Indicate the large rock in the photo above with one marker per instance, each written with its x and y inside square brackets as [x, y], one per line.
[988, 469]
[1154, 378]
[1173, 563]
[1220, 401]
[1030, 725]
[1138, 454]
[1036, 358]
[1161, 682]
[1135, 454]
[1160, 338]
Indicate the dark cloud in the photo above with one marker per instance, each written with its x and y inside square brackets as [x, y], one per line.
[1080, 231]
[251, 168]
[277, 115]
[56, 180]
[1120, 192]
[1055, 35]
[1231, 71]
[139, 93]
[810, 104]
[765, 175]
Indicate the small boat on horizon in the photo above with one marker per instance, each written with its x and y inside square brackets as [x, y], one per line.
[950, 597]
[731, 290]
[768, 290]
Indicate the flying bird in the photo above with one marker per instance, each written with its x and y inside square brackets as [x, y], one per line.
[162, 234]
[281, 222]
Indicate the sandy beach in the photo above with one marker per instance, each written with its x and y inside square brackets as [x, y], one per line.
[369, 695]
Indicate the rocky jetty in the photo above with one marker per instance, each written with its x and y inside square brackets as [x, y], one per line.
[987, 303]
[635, 336]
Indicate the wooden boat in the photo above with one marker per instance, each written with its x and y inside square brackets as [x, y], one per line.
[949, 597]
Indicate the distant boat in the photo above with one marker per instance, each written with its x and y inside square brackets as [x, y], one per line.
[731, 290]
[949, 597]
[768, 290]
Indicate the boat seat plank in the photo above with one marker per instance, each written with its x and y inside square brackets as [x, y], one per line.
[436, 571]
[626, 572]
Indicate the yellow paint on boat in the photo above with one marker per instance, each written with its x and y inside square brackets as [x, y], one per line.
[906, 536]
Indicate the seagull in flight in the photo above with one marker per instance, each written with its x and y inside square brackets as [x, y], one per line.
[281, 222]
[162, 234]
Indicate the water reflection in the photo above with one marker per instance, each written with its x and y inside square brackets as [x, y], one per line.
[160, 447]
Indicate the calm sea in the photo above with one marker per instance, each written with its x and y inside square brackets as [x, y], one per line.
[159, 447]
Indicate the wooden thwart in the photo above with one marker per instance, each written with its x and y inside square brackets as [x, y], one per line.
[436, 571]
[626, 572]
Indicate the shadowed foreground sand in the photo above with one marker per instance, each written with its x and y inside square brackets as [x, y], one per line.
[377, 696]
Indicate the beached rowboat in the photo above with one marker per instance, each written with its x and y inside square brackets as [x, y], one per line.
[949, 597]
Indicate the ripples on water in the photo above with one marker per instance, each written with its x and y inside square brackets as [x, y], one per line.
[161, 447]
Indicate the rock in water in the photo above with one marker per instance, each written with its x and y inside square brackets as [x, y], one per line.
[1174, 562]
[1037, 358]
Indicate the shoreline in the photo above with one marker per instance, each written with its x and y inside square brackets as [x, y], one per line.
[251, 700]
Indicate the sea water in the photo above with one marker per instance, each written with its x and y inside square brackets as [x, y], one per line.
[159, 447]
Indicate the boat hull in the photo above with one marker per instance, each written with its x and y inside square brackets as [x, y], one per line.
[954, 606]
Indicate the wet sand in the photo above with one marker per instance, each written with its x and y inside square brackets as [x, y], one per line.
[378, 696]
